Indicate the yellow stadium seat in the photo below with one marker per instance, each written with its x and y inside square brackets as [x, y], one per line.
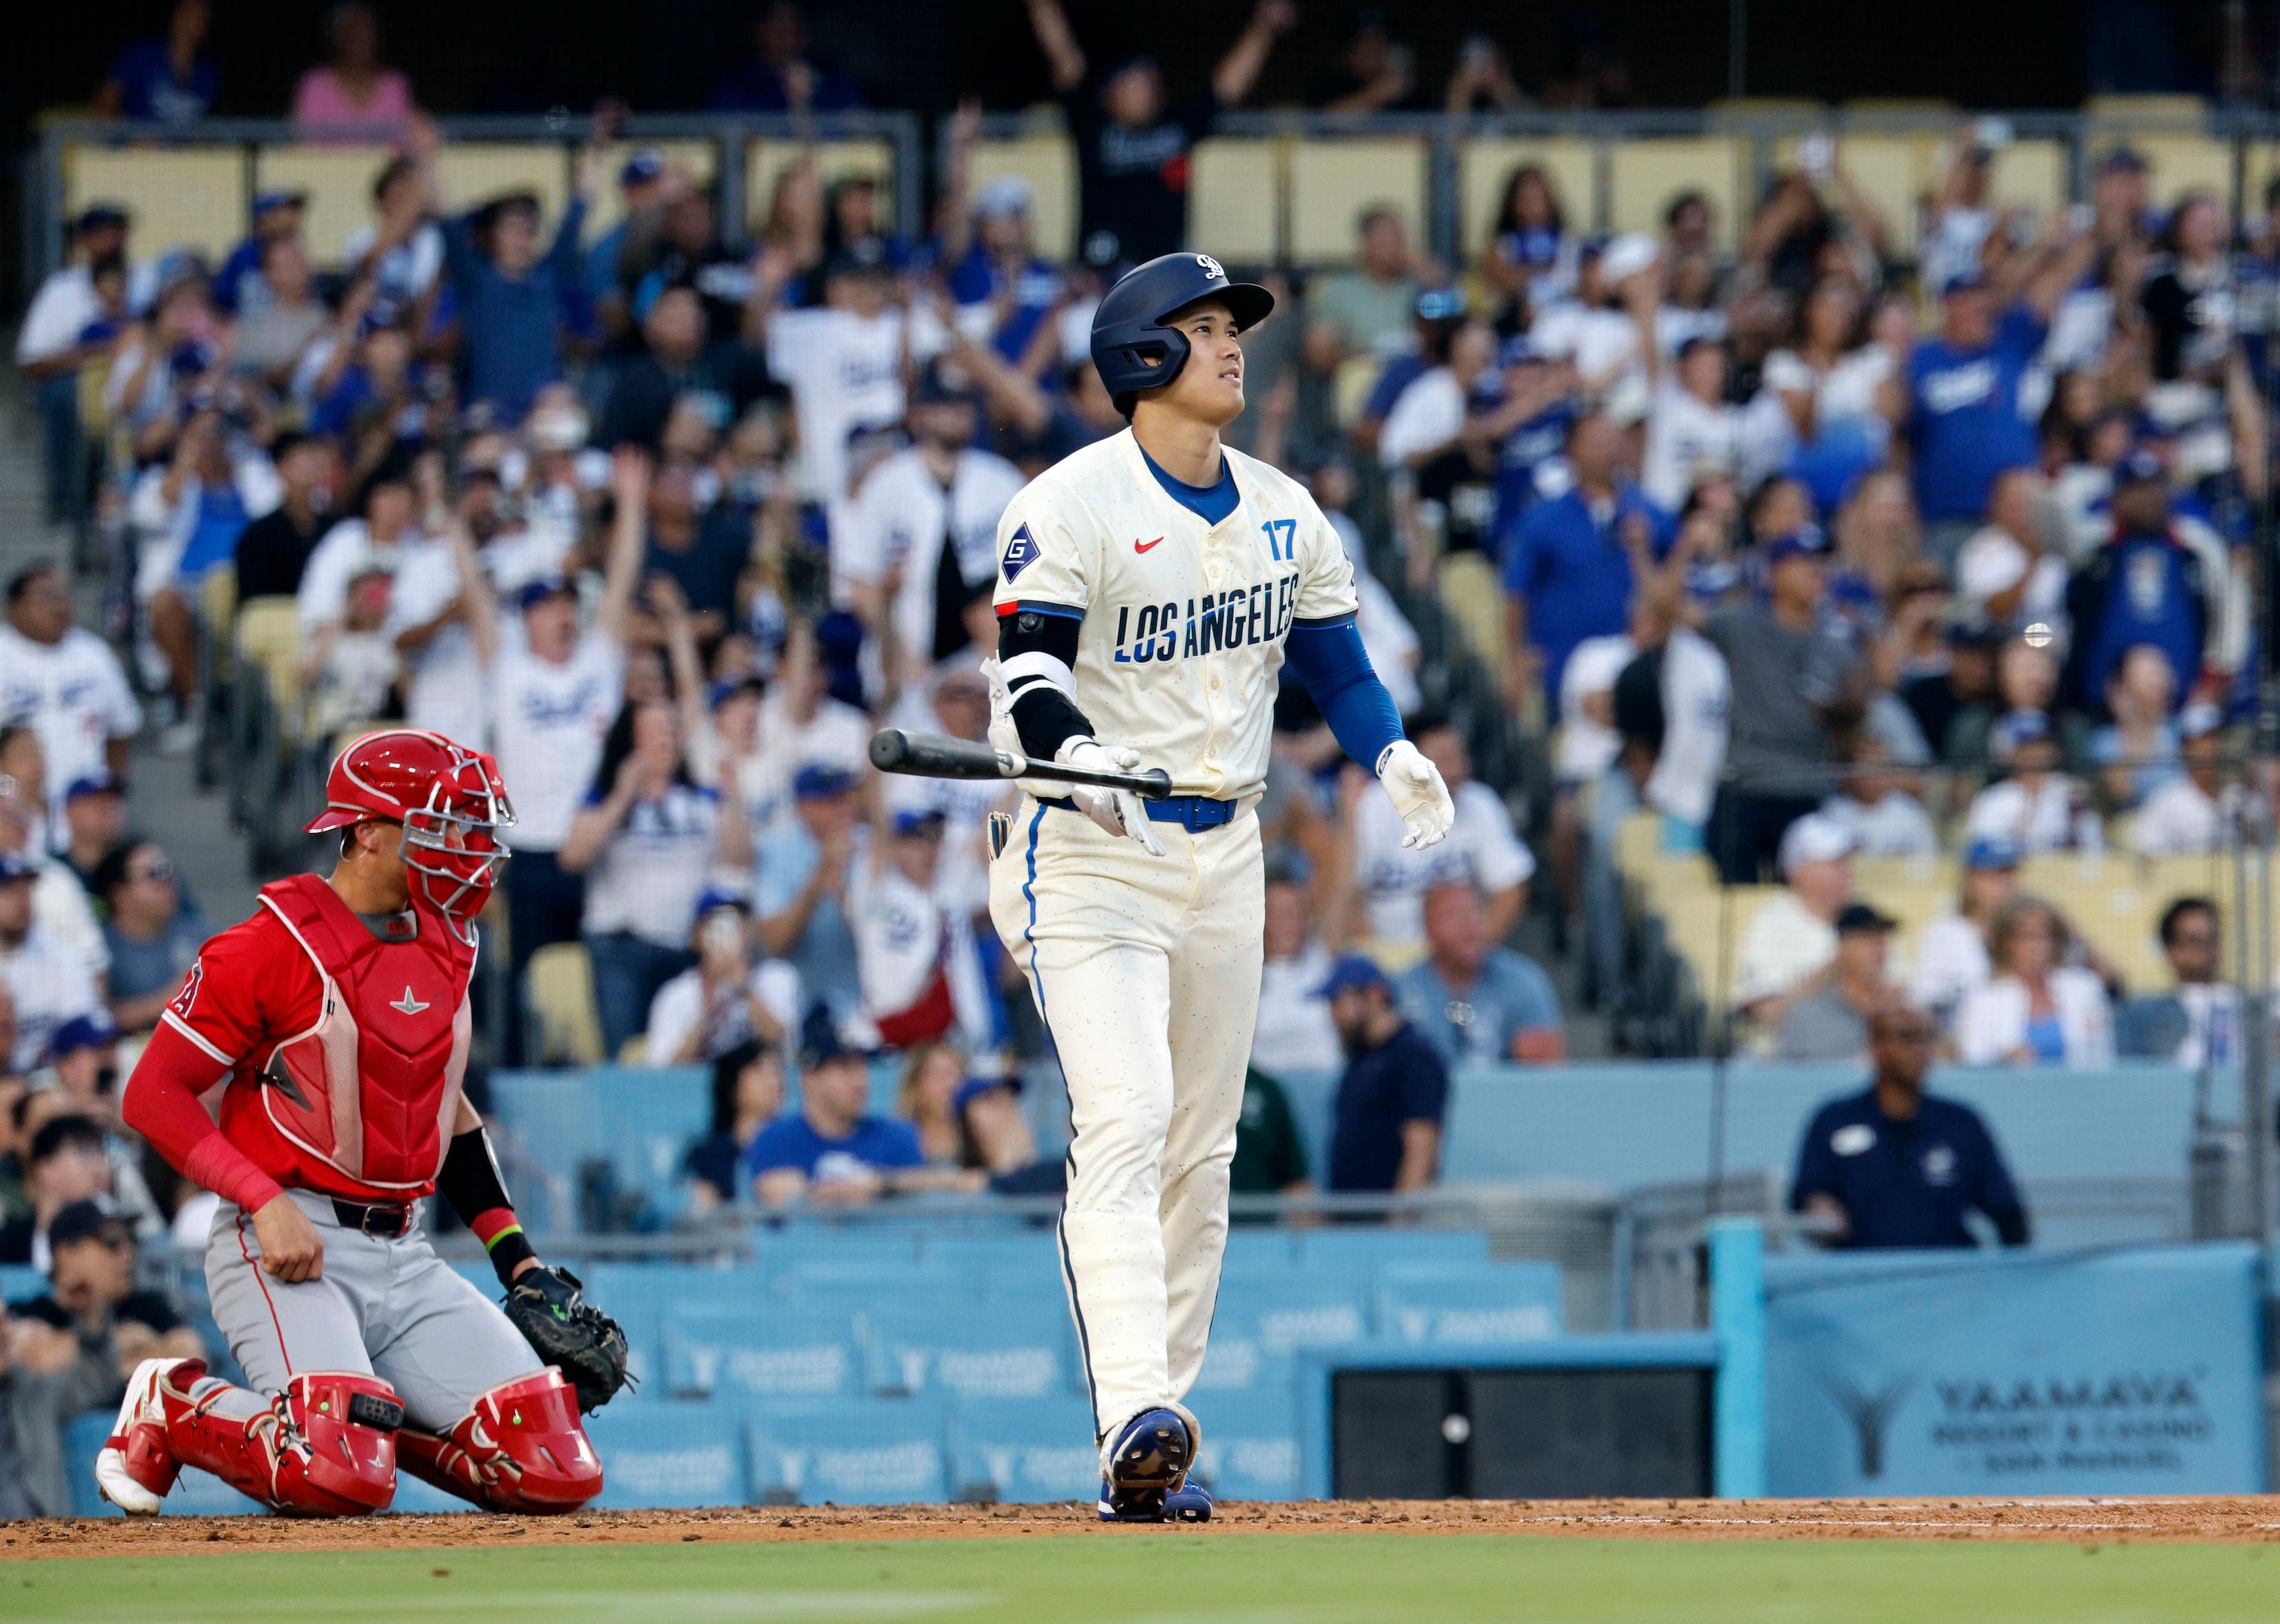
[558, 993]
[2174, 163]
[1895, 172]
[1485, 165]
[2110, 900]
[338, 183]
[765, 161]
[1638, 842]
[2031, 175]
[1695, 923]
[268, 634]
[1644, 175]
[472, 172]
[2149, 108]
[634, 1050]
[1915, 891]
[1764, 106]
[1350, 387]
[1473, 597]
[1047, 161]
[1334, 181]
[701, 160]
[190, 197]
[1235, 198]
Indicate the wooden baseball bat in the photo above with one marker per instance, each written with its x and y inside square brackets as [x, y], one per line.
[935, 755]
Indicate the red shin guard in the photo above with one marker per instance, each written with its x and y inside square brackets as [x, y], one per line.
[326, 1447]
[520, 1448]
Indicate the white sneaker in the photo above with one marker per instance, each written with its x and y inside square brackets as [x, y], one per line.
[142, 1407]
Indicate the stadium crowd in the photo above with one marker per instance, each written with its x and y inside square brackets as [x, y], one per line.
[1807, 547]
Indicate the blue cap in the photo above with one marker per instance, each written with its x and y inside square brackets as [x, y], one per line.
[728, 688]
[715, 898]
[1349, 973]
[920, 819]
[817, 781]
[1805, 541]
[101, 782]
[973, 1088]
[536, 592]
[279, 198]
[1963, 282]
[2015, 729]
[1440, 304]
[15, 865]
[641, 167]
[2140, 468]
[1994, 852]
[819, 1040]
[92, 1030]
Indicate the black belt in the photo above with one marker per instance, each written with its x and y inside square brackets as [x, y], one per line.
[1194, 812]
[387, 1223]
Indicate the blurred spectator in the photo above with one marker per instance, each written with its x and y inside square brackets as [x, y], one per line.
[350, 671]
[1571, 568]
[1478, 1003]
[153, 938]
[383, 537]
[1530, 256]
[800, 892]
[923, 539]
[2189, 296]
[1606, 330]
[1792, 937]
[95, 815]
[916, 959]
[1482, 849]
[843, 361]
[274, 548]
[2198, 1021]
[1270, 1157]
[240, 286]
[353, 98]
[798, 725]
[168, 79]
[510, 295]
[782, 77]
[1294, 1032]
[65, 1161]
[1692, 430]
[932, 1074]
[2036, 806]
[1831, 1021]
[1366, 310]
[2036, 1009]
[37, 1400]
[1837, 387]
[673, 362]
[1385, 1133]
[68, 325]
[834, 1152]
[2143, 586]
[1482, 81]
[47, 984]
[1795, 686]
[1894, 1166]
[1376, 73]
[92, 1294]
[2007, 571]
[646, 841]
[748, 1091]
[1878, 803]
[1132, 153]
[2137, 753]
[62, 682]
[723, 1001]
[2191, 813]
[400, 255]
[1952, 954]
[61, 906]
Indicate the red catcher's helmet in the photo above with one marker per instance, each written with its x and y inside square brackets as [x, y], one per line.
[448, 798]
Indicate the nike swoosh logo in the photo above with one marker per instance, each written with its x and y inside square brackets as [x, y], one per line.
[1140, 546]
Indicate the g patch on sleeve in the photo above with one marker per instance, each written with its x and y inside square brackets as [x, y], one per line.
[1020, 552]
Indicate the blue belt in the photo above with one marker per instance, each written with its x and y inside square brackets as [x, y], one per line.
[1194, 812]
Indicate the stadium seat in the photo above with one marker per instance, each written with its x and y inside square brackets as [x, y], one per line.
[2177, 161]
[951, 1346]
[1507, 1301]
[767, 1349]
[472, 172]
[1297, 1310]
[1894, 171]
[983, 1258]
[180, 197]
[337, 182]
[1235, 198]
[559, 994]
[2031, 174]
[1047, 160]
[659, 1453]
[1361, 1252]
[1644, 175]
[20, 1283]
[1486, 163]
[267, 632]
[1022, 1450]
[1334, 181]
[865, 1454]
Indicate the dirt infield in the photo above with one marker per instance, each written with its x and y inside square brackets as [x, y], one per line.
[2082, 1521]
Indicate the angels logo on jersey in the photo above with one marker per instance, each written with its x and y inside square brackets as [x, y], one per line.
[181, 1001]
[1020, 552]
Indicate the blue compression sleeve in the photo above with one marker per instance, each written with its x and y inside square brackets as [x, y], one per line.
[1328, 658]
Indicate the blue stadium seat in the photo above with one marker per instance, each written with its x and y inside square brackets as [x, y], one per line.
[1357, 1252]
[816, 1248]
[1251, 1442]
[1259, 1250]
[1027, 1254]
[660, 1453]
[1503, 1302]
[20, 1283]
[763, 1350]
[640, 1121]
[1294, 1311]
[1023, 1449]
[957, 1346]
[877, 1453]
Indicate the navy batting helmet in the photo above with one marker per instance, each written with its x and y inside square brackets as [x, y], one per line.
[1131, 346]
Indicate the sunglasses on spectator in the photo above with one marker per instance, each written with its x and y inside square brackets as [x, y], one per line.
[163, 869]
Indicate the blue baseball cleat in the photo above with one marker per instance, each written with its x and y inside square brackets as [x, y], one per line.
[1190, 1502]
[1148, 1469]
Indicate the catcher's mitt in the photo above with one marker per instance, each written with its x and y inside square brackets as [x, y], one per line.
[549, 1307]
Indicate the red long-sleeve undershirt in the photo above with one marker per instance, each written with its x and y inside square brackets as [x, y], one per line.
[161, 1103]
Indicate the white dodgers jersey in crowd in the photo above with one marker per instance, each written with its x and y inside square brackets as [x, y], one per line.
[1184, 622]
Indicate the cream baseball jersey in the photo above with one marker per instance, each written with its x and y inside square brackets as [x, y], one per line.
[1184, 622]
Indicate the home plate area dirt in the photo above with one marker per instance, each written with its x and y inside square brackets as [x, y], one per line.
[2248, 1519]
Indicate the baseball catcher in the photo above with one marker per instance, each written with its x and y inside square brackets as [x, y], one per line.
[308, 1072]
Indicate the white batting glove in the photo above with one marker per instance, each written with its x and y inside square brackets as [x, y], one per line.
[1413, 785]
[1117, 811]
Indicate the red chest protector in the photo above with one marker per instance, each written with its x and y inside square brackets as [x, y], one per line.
[372, 1087]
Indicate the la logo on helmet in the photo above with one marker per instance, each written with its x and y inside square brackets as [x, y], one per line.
[1211, 267]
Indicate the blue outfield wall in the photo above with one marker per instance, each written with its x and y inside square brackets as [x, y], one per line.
[2137, 1371]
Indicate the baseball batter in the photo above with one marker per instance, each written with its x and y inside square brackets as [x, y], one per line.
[308, 1072]
[1149, 588]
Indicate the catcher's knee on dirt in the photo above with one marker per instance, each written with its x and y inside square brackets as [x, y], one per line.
[326, 1447]
[520, 1448]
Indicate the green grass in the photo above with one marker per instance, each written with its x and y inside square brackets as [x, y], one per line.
[1106, 1579]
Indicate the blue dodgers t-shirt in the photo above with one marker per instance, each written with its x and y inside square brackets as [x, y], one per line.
[1569, 564]
[877, 1144]
[1400, 1081]
[1905, 1184]
[1964, 419]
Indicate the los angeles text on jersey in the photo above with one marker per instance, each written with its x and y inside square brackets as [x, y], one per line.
[1240, 618]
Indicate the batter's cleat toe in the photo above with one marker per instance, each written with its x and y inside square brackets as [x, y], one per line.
[1148, 1460]
[135, 1468]
[1190, 1502]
